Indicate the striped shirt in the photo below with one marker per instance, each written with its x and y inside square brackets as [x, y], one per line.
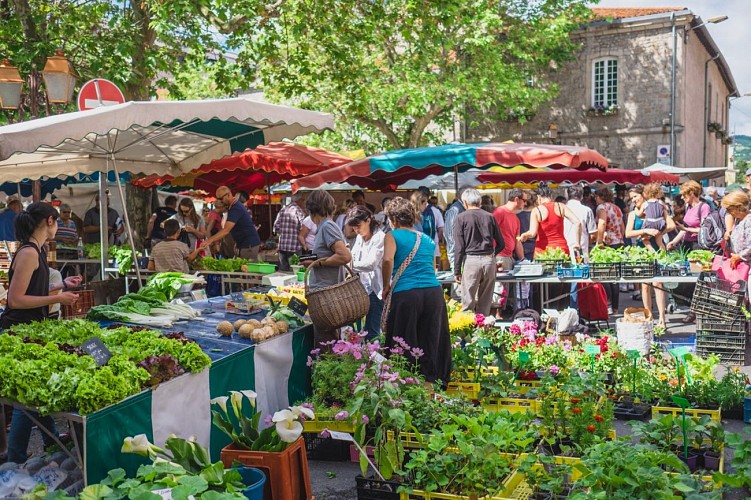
[66, 231]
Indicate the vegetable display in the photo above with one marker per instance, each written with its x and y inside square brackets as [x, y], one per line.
[552, 254]
[222, 265]
[604, 255]
[42, 366]
[704, 257]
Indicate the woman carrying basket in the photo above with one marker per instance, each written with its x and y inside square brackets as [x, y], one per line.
[331, 251]
[415, 309]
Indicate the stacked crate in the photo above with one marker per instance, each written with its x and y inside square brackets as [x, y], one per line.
[721, 326]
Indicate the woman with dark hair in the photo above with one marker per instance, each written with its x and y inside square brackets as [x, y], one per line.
[329, 245]
[610, 229]
[29, 300]
[546, 223]
[367, 257]
[190, 222]
[415, 309]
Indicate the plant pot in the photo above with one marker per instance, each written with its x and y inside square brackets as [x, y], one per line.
[691, 460]
[711, 460]
[254, 479]
[369, 488]
[733, 413]
[287, 476]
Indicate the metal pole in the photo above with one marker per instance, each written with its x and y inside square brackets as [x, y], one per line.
[456, 181]
[103, 224]
[126, 220]
[673, 155]
[271, 216]
[706, 109]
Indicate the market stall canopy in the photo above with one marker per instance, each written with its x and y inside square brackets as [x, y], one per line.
[154, 137]
[695, 173]
[389, 170]
[612, 175]
[253, 168]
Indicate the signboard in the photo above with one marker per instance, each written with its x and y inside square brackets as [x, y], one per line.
[97, 93]
[298, 307]
[663, 154]
[97, 350]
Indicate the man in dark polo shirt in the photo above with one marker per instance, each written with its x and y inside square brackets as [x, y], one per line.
[239, 224]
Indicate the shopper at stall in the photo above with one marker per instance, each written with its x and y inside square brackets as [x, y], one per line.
[415, 308]
[215, 220]
[610, 230]
[29, 300]
[239, 225]
[587, 218]
[453, 210]
[8, 218]
[171, 255]
[330, 250]
[190, 222]
[696, 211]
[287, 227]
[737, 205]
[509, 225]
[367, 258]
[646, 237]
[477, 240]
[155, 229]
[307, 234]
[525, 222]
[546, 223]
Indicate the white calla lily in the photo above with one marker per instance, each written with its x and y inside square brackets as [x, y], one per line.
[221, 401]
[283, 415]
[251, 395]
[301, 410]
[139, 445]
[289, 430]
[237, 402]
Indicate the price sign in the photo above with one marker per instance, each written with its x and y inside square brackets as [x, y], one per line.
[97, 350]
[592, 349]
[523, 358]
[633, 354]
[298, 307]
[341, 436]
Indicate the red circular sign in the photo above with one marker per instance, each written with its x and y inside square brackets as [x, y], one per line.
[97, 93]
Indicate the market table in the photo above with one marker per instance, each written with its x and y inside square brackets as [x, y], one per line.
[276, 369]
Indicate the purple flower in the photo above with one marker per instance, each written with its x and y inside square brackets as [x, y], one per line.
[400, 341]
[554, 369]
[411, 380]
[566, 345]
[310, 361]
[365, 419]
[341, 348]
[551, 340]
[267, 421]
[417, 352]
[397, 350]
[342, 415]
[308, 406]
[315, 352]
[325, 434]
[363, 334]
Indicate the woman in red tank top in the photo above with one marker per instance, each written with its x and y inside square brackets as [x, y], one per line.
[546, 223]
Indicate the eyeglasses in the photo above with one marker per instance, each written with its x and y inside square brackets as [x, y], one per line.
[185, 212]
[65, 212]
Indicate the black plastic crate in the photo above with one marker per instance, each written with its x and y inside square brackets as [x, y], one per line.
[638, 269]
[672, 270]
[717, 298]
[332, 450]
[604, 270]
[735, 357]
[719, 326]
[376, 489]
[550, 266]
[709, 340]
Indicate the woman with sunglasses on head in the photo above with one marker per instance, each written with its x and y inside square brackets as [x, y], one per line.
[191, 222]
[29, 300]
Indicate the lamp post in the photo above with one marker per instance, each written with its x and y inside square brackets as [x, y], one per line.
[59, 80]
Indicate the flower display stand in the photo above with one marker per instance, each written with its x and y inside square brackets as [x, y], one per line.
[286, 471]
[658, 411]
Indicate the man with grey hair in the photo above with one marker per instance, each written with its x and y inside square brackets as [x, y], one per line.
[476, 242]
[710, 196]
[287, 227]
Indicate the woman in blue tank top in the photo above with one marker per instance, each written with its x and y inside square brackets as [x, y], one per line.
[415, 308]
[645, 237]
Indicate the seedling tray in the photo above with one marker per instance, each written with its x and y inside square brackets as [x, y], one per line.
[604, 270]
[638, 269]
[512, 405]
[466, 390]
[658, 411]
[550, 266]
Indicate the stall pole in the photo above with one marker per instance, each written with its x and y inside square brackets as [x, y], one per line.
[103, 224]
[126, 219]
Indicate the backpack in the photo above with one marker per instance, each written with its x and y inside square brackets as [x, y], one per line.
[428, 222]
[712, 231]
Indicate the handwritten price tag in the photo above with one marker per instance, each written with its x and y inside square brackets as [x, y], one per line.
[97, 350]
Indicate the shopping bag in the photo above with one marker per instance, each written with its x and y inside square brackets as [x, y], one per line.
[721, 265]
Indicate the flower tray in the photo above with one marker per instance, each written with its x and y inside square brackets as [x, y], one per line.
[516, 487]
[317, 426]
[485, 371]
[466, 390]
[332, 450]
[635, 412]
[370, 488]
[638, 269]
[604, 270]
[524, 386]
[512, 405]
[706, 475]
[658, 411]
[410, 440]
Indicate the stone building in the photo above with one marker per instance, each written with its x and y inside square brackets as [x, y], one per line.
[649, 84]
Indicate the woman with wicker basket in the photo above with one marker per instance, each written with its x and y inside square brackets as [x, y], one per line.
[415, 309]
[332, 255]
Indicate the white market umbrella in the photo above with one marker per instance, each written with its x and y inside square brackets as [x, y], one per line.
[149, 137]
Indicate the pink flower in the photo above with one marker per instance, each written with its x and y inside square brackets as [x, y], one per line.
[267, 420]
[310, 361]
[566, 345]
[308, 406]
[341, 348]
[342, 415]
[411, 380]
[515, 329]
[552, 339]
[400, 341]
[315, 352]
[325, 434]
[554, 369]
[397, 350]
[479, 319]
[417, 352]
[363, 334]
[365, 419]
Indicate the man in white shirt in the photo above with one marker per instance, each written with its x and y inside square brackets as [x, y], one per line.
[589, 227]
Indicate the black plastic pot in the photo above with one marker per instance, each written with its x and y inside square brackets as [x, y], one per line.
[711, 460]
[691, 460]
[369, 488]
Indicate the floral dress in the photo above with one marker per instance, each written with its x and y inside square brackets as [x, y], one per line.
[613, 224]
[741, 238]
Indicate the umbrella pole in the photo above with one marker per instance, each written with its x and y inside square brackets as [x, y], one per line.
[271, 217]
[103, 224]
[126, 220]
[456, 181]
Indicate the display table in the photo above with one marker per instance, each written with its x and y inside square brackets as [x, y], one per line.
[276, 369]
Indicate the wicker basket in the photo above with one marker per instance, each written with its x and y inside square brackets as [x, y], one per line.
[80, 307]
[337, 305]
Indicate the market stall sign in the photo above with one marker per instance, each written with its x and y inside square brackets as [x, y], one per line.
[298, 307]
[97, 350]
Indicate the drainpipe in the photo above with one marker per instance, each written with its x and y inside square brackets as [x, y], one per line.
[673, 154]
[706, 110]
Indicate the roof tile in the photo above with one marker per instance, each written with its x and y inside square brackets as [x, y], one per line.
[625, 12]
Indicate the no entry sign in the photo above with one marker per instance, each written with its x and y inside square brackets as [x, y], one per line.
[99, 92]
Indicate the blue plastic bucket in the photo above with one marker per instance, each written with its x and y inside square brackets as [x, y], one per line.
[747, 410]
[254, 479]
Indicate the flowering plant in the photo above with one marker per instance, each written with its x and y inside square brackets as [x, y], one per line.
[330, 367]
[282, 429]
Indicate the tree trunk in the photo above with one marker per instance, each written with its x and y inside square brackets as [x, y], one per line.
[139, 210]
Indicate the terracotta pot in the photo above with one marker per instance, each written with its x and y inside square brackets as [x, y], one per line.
[286, 471]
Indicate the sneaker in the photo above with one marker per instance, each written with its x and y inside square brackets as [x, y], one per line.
[623, 287]
[610, 310]
[636, 296]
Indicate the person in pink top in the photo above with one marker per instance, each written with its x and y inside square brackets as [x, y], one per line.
[546, 223]
[510, 225]
[696, 211]
[610, 231]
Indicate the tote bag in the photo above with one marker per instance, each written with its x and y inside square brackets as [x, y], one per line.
[721, 265]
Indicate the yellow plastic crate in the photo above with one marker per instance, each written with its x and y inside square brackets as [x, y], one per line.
[524, 386]
[470, 373]
[332, 425]
[658, 411]
[466, 390]
[512, 405]
[437, 496]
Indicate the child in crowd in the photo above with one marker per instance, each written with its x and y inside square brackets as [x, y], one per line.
[653, 211]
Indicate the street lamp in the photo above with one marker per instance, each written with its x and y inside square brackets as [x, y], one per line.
[59, 83]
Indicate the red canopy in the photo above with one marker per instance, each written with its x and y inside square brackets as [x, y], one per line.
[617, 175]
[254, 168]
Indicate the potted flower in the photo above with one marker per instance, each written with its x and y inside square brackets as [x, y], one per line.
[294, 263]
[276, 448]
[545, 476]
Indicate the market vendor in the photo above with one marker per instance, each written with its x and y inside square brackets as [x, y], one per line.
[29, 299]
[239, 224]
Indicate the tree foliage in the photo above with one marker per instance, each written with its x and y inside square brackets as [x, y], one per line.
[397, 73]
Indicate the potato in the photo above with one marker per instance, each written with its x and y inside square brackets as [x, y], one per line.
[254, 323]
[257, 335]
[225, 328]
[268, 320]
[245, 331]
[269, 331]
[238, 324]
[282, 326]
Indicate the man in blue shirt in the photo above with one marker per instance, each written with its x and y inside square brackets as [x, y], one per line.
[239, 224]
[8, 219]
